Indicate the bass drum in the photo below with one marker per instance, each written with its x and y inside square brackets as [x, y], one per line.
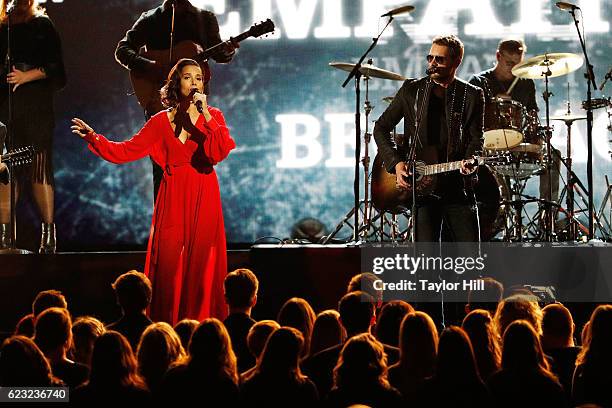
[490, 192]
[503, 124]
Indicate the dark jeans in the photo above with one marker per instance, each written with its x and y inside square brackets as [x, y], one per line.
[455, 222]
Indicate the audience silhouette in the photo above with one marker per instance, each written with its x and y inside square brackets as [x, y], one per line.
[277, 380]
[520, 356]
[133, 290]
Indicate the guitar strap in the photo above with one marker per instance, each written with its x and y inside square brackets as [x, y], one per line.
[456, 141]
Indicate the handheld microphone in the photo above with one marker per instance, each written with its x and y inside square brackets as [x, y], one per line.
[198, 104]
[566, 6]
[399, 10]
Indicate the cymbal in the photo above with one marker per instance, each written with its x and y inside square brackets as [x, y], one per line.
[368, 70]
[567, 118]
[559, 63]
[388, 99]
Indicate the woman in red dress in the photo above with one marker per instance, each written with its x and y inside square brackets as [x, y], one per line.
[186, 256]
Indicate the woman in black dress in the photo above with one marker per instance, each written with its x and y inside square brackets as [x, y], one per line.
[36, 73]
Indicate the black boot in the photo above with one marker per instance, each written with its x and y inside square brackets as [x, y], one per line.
[47, 239]
[5, 236]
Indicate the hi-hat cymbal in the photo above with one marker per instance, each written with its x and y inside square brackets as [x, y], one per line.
[559, 63]
[567, 118]
[368, 70]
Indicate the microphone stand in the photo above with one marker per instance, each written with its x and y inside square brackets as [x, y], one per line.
[412, 152]
[9, 146]
[590, 77]
[356, 73]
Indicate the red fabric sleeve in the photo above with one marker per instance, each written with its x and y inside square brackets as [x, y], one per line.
[218, 142]
[139, 146]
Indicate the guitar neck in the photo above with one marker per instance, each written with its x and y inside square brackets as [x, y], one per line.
[432, 169]
[207, 53]
[438, 168]
[18, 156]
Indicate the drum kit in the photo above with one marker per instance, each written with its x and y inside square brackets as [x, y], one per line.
[510, 131]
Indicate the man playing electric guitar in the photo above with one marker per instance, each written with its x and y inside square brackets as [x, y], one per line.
[450, 129]
[153, 30]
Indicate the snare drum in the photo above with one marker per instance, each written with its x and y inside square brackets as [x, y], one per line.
[503, 124]
[528, 159]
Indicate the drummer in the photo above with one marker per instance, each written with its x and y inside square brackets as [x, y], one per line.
[497, 83]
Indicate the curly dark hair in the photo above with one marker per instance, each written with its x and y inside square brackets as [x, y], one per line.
[170, 92]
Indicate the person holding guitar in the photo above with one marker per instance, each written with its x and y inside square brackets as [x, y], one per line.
[173, 23]
[445, 116]
[186, 256]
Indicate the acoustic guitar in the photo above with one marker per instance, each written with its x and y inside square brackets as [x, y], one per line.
[386, 196]
[146, 84]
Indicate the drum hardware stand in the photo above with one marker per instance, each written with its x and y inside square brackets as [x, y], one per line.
[361, 229]
[356, 73]
[590, 77]
[10, 145]
[562, 225]
[570, 179]
[602, 215]
[580, 188]
[367, 230]
[573, 184]
[539, 221]
[513, 228]
[367, 137]
[550, 220]
[341, 224]
[395, 234]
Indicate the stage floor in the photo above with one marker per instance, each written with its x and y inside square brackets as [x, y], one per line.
[319, 274]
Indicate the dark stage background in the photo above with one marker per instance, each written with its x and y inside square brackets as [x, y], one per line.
[292, 121]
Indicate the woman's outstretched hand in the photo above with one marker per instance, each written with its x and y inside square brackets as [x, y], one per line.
[80, 128]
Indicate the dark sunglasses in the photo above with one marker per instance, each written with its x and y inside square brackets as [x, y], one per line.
[440, 59]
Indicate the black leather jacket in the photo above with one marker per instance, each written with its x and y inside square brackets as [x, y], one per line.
[464, 113]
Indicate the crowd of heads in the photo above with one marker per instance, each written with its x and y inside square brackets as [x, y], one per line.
[365, 351]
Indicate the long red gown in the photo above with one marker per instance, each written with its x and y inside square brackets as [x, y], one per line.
[186, 256]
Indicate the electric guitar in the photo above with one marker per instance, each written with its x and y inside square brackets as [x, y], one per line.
[18, 157]
[146, 84]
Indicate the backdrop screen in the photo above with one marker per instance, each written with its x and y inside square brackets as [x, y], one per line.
[292, 120]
